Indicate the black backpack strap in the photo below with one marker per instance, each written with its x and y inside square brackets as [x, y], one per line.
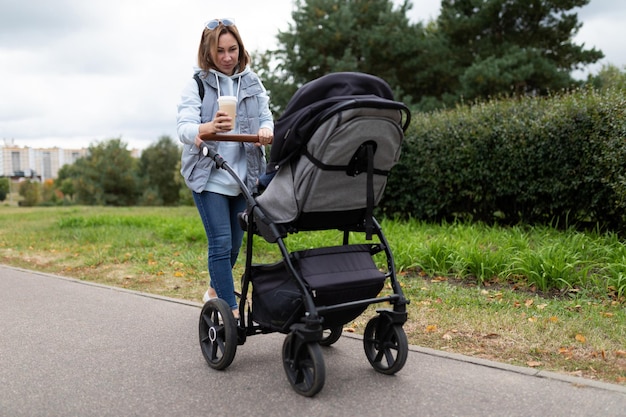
[196, 77]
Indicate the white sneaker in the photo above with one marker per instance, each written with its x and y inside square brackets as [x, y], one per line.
[206, 297]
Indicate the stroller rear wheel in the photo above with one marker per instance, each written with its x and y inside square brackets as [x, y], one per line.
[386, 345]
[218, 334]
[304, 365]
[331, 336]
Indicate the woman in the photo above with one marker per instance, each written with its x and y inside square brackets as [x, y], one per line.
[223, 70]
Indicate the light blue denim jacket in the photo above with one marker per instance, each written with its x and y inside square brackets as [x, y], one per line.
[252, 113]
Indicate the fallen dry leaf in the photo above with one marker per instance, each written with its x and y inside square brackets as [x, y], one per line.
[533, 364]
[431, 328]
[553, 319]
[580, 338]
[567, 352]
[529, 302]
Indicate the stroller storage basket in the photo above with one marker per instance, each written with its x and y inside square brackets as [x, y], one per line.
[333, 275]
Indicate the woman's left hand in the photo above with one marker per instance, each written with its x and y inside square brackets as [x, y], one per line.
[265, 136]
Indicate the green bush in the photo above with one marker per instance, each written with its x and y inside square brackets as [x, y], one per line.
[30, 192]
[559, 160]
[5, 188]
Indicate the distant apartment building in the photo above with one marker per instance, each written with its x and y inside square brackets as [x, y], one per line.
[43, 163]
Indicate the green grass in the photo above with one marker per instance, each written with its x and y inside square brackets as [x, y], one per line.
[537, 297]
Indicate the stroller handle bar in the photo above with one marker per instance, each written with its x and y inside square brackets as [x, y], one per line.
[230, 137]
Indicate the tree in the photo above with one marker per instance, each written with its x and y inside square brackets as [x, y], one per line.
[48, 192]
[609, 76]
[369, 36]
[106, 176]
[31, 193]
[512, 46]
[65, 181]
[158, 170]
[5, 188]
[474, 49]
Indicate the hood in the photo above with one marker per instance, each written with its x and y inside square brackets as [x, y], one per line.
[228, 85]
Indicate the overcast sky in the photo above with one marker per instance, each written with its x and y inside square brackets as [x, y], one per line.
[74, 72]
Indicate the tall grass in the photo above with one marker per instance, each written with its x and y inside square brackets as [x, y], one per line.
[539, 257]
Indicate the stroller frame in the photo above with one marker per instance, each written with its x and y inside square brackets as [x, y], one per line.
[384, 340]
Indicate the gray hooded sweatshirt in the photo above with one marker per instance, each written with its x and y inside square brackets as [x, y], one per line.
[248, 160]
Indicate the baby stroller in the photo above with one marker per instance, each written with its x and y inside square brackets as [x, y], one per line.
[334, 146]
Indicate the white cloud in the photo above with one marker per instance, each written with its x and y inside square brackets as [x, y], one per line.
[77, 71]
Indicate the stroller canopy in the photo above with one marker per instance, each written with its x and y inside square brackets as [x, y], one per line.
[337, 141]
[310, 105]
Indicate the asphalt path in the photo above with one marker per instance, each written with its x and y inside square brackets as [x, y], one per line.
[73, 348]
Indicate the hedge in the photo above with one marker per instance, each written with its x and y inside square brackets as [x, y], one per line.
[558, 160]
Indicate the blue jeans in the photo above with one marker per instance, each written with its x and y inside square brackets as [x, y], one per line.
[219, 217]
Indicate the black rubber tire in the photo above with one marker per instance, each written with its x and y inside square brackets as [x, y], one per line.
[218, 334]
[331, 336]
[304, 365]
[386, 345]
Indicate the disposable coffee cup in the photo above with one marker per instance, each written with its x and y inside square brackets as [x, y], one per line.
[229, 105]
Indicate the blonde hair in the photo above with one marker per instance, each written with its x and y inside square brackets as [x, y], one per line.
[207, 51]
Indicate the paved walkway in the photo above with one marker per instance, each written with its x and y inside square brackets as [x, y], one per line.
[71, 348]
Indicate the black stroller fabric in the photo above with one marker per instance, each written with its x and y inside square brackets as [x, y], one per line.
[333, 275]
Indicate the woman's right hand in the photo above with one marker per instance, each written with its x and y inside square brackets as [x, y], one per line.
[222, 122]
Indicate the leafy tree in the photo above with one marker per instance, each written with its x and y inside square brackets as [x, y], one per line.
[370, 36]
[158, 170]
[65, 181]
[474, 49]
[48, 192]
[609, 76]
[511, 46]
[31, 193]
[5, 188]
[106, 176]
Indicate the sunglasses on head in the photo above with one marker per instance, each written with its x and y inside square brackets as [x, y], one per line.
[212, 24]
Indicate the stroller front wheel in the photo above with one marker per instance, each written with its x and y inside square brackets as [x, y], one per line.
[218, 334]
[386, 345]
[304, 365]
